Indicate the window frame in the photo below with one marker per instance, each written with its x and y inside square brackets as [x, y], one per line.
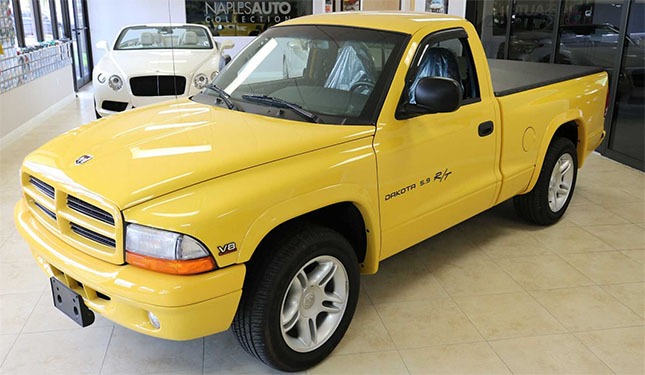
[434, 38]
[36, 18]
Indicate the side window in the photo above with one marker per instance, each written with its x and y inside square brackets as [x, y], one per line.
[449, 58]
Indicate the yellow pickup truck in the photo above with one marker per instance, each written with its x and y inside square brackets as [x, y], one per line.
[321, 149]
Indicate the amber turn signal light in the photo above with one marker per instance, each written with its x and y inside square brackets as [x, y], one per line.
[176, 267]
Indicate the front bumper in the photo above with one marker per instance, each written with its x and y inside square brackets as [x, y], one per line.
[187, 307]
[109, 102]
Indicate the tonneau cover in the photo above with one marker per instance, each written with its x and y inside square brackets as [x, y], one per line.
[510, 76]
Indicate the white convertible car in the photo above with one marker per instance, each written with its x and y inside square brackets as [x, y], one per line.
[152, 63]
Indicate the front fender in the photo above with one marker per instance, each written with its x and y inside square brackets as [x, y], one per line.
[232, 214]
[295, 207]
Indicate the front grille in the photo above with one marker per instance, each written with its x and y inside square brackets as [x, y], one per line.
[113, 106]
[44, 188]
[89, 210]
[46, 210]
[84, 222]
[91, 235]
[158, 85]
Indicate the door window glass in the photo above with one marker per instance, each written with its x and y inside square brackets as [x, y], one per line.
[450, 58]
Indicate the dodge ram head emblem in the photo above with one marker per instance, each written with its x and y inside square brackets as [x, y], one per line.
[83, 159]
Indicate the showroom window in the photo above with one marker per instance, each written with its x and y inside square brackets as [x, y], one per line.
[606, 33]
[35, 21]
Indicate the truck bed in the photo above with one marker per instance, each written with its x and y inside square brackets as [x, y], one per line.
[510, 76]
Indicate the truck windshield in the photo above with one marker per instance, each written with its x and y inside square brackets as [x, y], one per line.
[335, 73]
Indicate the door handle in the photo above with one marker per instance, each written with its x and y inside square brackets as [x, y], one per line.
[485, 128]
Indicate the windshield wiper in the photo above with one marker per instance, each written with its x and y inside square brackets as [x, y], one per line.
[224, 96]
[281, 103]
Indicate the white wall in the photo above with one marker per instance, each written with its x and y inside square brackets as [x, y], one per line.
[107, 18]
[21, 108]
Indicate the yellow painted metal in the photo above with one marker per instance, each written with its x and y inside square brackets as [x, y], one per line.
[187, 306]
[228, 178]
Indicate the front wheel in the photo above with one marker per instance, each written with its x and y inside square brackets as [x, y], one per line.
[299, 297]
[549, 199]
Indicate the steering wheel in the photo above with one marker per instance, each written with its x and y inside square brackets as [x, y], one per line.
[362, 87]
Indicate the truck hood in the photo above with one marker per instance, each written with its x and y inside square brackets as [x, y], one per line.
[141, 154]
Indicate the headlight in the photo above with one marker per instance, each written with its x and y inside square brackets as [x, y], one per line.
[101, 78]
[164, 251]
[200, 81]
[214, 74]
[115, 82]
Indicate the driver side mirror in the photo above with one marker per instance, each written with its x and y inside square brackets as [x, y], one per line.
[102, 44]
[227, 44]
[434, 95]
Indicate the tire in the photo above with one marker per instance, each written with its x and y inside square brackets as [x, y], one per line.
[298, 298]
[549, 199]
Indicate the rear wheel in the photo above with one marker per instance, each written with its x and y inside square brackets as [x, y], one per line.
[299, 297]
[549, 199]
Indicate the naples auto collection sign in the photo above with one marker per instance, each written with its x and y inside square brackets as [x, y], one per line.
[244, 17]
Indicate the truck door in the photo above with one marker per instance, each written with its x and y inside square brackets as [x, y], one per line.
[436, 170]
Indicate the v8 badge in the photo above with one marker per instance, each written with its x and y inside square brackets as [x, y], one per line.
[228, 248]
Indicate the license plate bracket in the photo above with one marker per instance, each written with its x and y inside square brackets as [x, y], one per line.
[71, 303]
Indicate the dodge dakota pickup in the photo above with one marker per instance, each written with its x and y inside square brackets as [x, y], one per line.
[321, 149]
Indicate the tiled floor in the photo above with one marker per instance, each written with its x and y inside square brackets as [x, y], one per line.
[490, 296]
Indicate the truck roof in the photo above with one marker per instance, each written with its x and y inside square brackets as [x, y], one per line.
[404, 22]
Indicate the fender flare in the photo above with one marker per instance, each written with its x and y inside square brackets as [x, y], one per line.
[298, 206]
[573, 116]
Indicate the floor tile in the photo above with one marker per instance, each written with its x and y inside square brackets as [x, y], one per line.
[66, 352]
[572, 239]
[502, 316]
[586, 308]
[6, 342]
[637, 255]
[631, 295]
[15, 249]
[475, 358]
[390, 286]
[131, 352]
[366, 333]
[364, 363]
[15, 309]
[554, 354]
[607, 267]
[594, 215]
[621, 349]
[45, 317]
[417, 324]
[24, 276]
[543, 272]
[474, 276]
[620, 237]
[224, 355]
[600, 194]
[634, 213]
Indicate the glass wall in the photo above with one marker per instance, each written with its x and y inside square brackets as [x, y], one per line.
[627, 133]
[605, 33]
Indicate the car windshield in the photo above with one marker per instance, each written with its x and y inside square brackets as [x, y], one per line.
[163, 37]
[332, 74]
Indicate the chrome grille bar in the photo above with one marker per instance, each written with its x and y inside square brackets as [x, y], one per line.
[89, 210]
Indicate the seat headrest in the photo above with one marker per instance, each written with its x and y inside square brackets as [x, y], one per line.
[190, 38]
[146, 39]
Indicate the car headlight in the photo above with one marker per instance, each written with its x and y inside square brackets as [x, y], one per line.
[214, 74]
[101, 78]
[115, 82]
[200, 81]
[165, 251]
